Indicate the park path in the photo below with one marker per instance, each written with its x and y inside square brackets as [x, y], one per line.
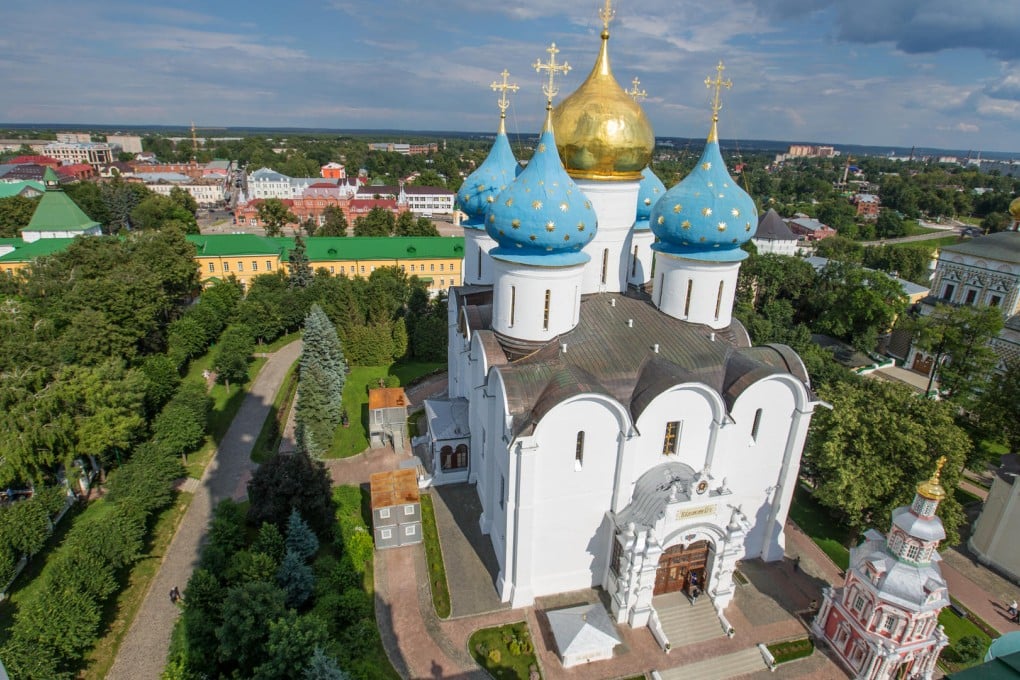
[142, 653]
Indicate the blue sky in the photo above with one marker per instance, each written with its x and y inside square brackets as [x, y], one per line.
[939, 73]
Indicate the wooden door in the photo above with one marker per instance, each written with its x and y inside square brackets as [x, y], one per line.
[922, 364]
[678, 564]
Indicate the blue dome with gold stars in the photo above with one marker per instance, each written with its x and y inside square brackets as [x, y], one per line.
[481, 187]
[707, 216]
[543, 217]
[650, 190]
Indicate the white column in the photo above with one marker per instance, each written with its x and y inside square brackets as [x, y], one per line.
[774, 541]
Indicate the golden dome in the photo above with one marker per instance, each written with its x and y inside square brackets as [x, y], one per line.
[602, 133]
[932, 488]
[1014, 208]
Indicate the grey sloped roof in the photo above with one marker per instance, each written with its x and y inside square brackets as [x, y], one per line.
[1003, 247]
[771, 226]
[652, 493]
[606, 356]
[901, 583]
[926, 529]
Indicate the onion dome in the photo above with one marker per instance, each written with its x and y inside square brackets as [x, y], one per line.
[499, 168]
[650, 190]
[543, 217]
[932, 488]
[1014, 208]
[481, 187]
[601, 132]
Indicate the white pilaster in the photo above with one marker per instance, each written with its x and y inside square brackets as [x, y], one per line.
[477, 265]
[639, 256]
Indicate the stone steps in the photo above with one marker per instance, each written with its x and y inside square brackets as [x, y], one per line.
[719, 668]
[685, 624]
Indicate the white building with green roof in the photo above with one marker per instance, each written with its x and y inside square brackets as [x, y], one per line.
[57, 216]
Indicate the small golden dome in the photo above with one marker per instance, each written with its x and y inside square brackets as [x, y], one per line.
[602, 133]
[932, 488]
[1014, 208]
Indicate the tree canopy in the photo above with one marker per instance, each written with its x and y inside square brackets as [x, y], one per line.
[275, 215]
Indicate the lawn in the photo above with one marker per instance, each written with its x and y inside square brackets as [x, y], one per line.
[957, 628]
[791, 650]
[268, 441]
[915, 229]
[964, 497]
[929, 243]
[434, 556]
[493, 649]
[121, 611]
[352, 440]
[819, 524]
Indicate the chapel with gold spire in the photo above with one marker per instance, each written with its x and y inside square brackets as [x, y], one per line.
[610, 414]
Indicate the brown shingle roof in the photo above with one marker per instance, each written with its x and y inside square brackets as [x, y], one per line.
[386, 397]
[393, 488]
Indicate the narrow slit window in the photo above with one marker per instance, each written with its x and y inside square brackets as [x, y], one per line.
[605, 264]
[479, 263]
[687, 302]
[718, 300]
[633, 263]
[660, 289]
[513, 304]
[545, 313]
[671, 441]
[756, 425]
[579, 451]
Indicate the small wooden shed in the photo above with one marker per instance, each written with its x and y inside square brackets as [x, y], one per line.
[387, 417]
[396, 508]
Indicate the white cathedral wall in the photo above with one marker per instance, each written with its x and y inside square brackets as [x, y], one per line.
[695, 290]
[639, 263]
[456, 349]
[615, 204]
[477, 265]
[569, 535]
[519, 300]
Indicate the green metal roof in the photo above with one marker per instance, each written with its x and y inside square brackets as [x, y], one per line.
[26, 252]
[57, 212]
[325, 248]
[1000, 668]
[219, 245]
[8, 189]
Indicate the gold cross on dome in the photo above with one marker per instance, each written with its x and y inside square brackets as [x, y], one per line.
[606, 14]
[553, 68]
[635, 93]
[503, 88]
[718, 84]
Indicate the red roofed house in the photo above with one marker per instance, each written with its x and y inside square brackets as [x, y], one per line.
[333, 171]
[35, 160]
[77, 171]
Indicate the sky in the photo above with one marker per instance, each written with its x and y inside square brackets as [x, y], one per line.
[930, 73]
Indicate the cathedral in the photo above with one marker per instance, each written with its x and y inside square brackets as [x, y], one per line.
[618, 426]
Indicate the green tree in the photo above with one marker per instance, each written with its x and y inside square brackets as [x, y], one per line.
[315, 417]
[294, 482]
[957, 339]
[868, 453]
[243, 633]
[157, 212]
[161, 380]
[890, 224]
[855, 304]
[322, 349]
[300, 272]
[275, 215]
[301, 539]
[377, 222]
[1000, 408]
[24, 527]
[334, 224]
[269, 541]
[233, 352]
[184, 199]
[15, 214]
[295, 578]
[188, 338]
[292, 642]
[323, 667]
[178, 429]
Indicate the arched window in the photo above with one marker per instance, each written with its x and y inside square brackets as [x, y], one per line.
[687, 302]
[718, 300]
[605, 264]
[545, 313]
[460, 456]
[755, 426]
[579, 451]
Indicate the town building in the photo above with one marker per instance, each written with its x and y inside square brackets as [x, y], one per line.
[396, 508]
[74, 137]
[35, 160]
[883, 622]
[127, 143]
[623, 432]
[810, 229]
[71, 153]
[333, 171]
[26, 188]
[77, 172]
[403, 148]
[421, 200]
[206, 193]
[774, 236]
[57, 216]
[983, 271]
[993, 538]
[867, 206]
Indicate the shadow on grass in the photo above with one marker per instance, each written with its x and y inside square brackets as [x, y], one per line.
[821, 526]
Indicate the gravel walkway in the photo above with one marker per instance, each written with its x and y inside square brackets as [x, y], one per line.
[142, 654]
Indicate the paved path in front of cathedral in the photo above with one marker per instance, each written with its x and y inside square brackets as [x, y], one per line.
[142, 654]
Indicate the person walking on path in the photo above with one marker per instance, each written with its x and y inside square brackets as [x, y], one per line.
[796, 564]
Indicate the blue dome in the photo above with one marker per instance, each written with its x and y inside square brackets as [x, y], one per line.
[651, 190]
[707, 216]
[481, 187]
[543, 217]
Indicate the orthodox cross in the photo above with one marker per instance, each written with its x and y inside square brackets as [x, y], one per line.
[503, 88]
[606, 14]
[718, 84]
[553, 68]
[636, 93]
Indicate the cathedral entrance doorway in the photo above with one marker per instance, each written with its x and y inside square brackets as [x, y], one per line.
[682, 568]
[922, 364]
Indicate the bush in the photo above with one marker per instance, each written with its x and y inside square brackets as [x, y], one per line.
[495, 657]
[24, 526]
[967, 650]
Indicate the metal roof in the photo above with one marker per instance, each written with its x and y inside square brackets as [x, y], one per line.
[1002, 247]
[57, 212]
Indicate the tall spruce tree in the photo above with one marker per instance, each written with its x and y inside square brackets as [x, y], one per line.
[321, 384]
[300, 271]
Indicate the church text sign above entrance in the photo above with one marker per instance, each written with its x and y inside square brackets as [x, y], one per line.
[687, 513]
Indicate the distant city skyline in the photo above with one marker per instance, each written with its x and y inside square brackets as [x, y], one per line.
[884, 72]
